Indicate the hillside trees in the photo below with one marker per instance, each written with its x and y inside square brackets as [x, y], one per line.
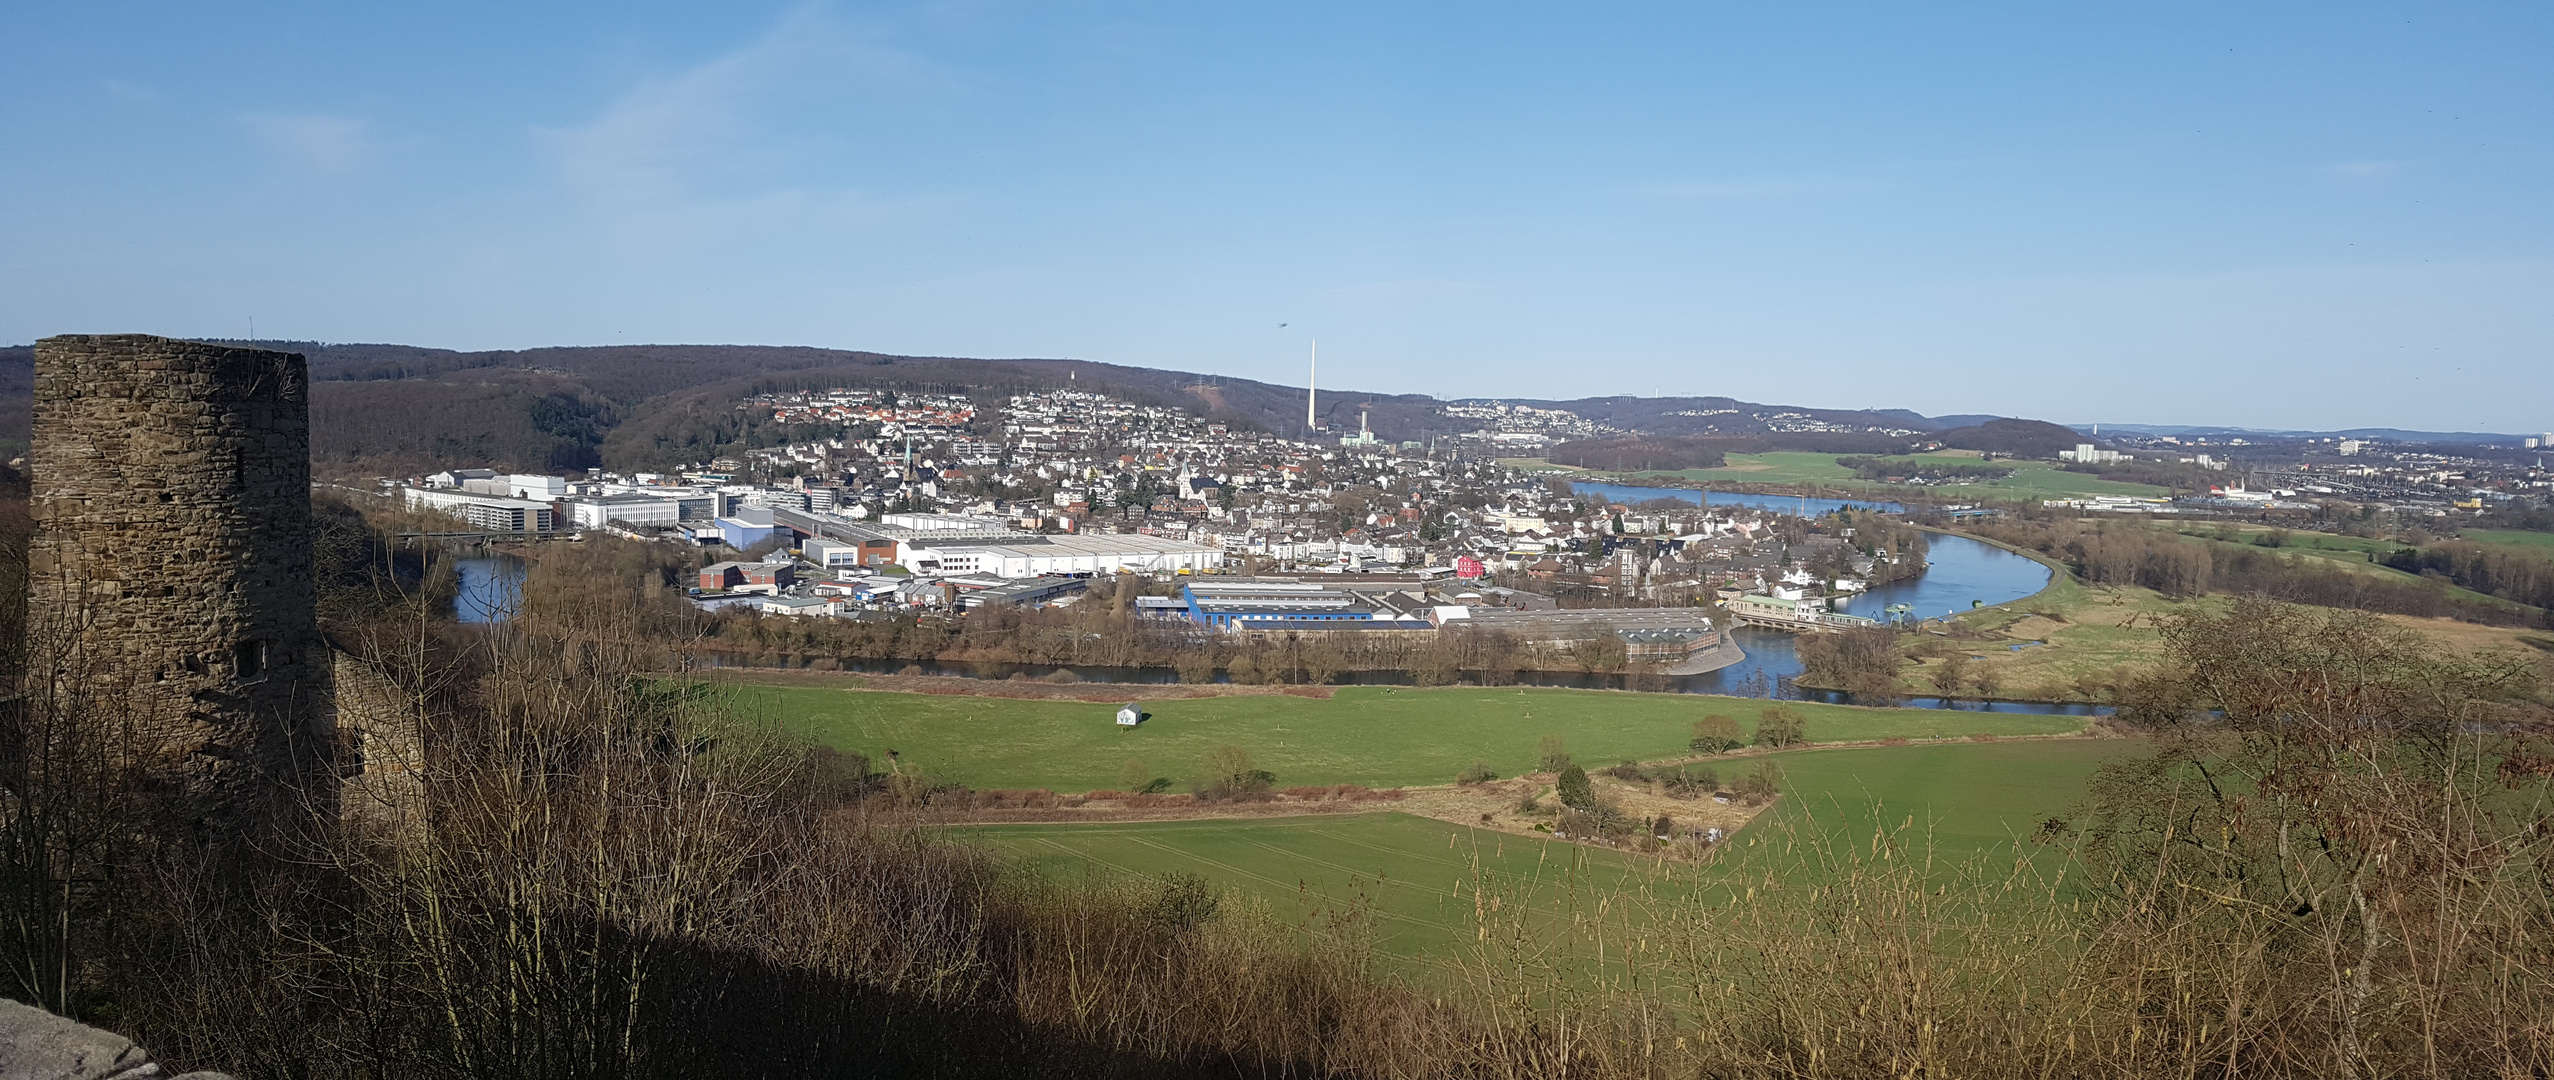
[1781, 726]
[2135, 554]
[1640, 454]
[1574, 789]
[1550, 755]
[2359, 817]
[1716, 734]
[1861, 661]
[1230, 775]
[2510, 575]
[2018, 438]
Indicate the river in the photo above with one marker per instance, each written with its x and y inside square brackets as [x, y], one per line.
[1960, 574]
[487, 588]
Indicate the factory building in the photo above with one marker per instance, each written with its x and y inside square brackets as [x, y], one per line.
[491, 513]
[1027, 556]
[643, 511]
[1259, 604]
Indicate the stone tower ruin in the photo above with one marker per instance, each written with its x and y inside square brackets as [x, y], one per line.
[172, 550]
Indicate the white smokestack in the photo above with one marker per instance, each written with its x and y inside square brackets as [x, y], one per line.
[1312, 375]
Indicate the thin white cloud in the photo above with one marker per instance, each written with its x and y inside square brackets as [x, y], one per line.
[701, 140]
[2365, 170]
[316, 142]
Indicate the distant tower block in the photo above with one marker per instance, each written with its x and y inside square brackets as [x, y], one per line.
[173, 544]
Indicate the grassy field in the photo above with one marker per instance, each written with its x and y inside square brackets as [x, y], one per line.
[1377, 736]
[2090, 634]
[2328, 545]
[1779, 467]
[1412, 873]
[2042, 480]
[1972, 797]
[1415, 875]
[2532, 542]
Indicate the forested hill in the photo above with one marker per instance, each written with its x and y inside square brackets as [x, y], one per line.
[400, 409]
[396, 409]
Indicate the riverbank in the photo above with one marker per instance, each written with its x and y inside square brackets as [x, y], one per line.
[2058, 572]
[2065, 644]
[1720, 656]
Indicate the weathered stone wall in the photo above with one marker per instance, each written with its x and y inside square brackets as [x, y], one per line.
[381, 722]
[173, 541]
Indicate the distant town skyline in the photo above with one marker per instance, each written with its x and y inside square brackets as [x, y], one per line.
[2288, 216]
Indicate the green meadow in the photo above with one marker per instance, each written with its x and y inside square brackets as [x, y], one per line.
[1377, 736]
[1416, 876]
[2042, 480]
[2518, 539]
[1969, 797]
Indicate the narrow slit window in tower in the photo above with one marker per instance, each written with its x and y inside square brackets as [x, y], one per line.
[248, 661]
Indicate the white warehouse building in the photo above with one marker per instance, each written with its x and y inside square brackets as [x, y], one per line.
[1039, 556]
[492, 513]
[641, 510]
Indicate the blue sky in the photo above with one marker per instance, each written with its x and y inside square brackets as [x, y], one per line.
[2277, 215]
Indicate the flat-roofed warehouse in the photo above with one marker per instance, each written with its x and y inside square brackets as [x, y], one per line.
[1041, 556]
[957, 545]
[1290, 604]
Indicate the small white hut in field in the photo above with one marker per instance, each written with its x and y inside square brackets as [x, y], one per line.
[1130, 714]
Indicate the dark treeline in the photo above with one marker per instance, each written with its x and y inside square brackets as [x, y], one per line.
[2166, 474]
[513, 421]
[1813, 442]
[2133, 554]
[2510, 575]
[2015, 438]
[1863, 662]
[1641, 454]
